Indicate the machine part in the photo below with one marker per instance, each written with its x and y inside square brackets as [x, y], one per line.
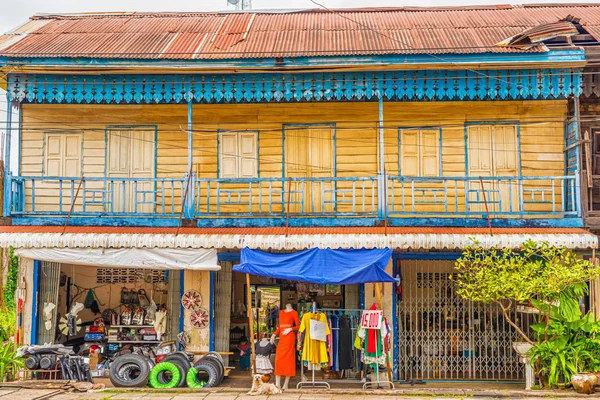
[200, 319]
[191, 300]
[130, 370]
[192, 379]
[207, 372]
[162, 369]
[48, 362]
[33, 362]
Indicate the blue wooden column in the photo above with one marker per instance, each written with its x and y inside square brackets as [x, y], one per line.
[190, 137]
[188, 206]
[381, 197]
[7, 183]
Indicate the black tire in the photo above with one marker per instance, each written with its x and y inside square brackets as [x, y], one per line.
[183, 370]
[181, 357]
[208, 372]
[215, 355]
[217, 363]
[129, 370]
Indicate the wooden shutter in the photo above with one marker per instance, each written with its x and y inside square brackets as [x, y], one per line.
[429, 152]
[505, 150]
[119, 151]
[248, 157]
[228, 157]
[409, 153]
[63, 155]
[480, 150]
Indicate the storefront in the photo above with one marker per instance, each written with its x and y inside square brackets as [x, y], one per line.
[436, 335]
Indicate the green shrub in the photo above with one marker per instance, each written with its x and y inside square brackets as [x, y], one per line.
[8, 321]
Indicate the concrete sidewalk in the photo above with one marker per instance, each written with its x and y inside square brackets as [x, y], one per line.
[228, 394]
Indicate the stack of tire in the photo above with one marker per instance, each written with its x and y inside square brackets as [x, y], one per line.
[206, 372]
[173, 371]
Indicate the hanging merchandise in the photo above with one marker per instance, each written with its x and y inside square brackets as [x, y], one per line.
[314, 351]
[138, 316]
[110, 317]
[160, 323]
[127, 316]
[373, 331]
[89, 299]
[200, 318]
[48, 315]
[69, 324]
[143, 298]
[345, 356]
[191, 300]
[150, 314]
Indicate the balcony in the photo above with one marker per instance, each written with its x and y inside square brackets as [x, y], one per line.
[311, 199]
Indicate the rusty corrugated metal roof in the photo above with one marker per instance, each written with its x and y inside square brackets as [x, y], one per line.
[408, 30]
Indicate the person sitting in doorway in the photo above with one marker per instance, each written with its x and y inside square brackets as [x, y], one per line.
[244, 349]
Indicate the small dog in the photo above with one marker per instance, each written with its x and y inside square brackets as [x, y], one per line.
[259, 387]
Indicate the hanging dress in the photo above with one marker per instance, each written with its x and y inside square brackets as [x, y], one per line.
[345, 351]
[314, 351]
[285, 356]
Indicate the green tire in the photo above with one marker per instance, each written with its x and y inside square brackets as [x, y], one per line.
[192, 379]
[163, 367]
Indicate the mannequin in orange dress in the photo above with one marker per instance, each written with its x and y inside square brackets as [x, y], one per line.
[285, 356]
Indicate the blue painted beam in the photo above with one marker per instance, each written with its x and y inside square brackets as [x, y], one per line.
[403, 85]
[307, 222]
[551, 57]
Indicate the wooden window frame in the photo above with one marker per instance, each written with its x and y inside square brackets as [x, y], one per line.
[238, 155]
[438, 148]
[45, 154]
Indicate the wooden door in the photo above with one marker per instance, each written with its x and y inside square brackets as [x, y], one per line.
[309, 154]
[493, 153]
[131, 155]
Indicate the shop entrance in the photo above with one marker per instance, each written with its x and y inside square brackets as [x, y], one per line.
[268, 297]
[441, 336]
[106, 293]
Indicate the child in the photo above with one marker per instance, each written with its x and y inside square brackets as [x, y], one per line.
[244, 349]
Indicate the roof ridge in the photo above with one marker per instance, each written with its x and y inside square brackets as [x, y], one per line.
[145, 14]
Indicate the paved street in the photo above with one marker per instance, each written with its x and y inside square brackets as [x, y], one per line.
[42, 394]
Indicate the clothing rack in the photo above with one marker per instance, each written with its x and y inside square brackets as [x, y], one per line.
[312, 383]
[329, 312]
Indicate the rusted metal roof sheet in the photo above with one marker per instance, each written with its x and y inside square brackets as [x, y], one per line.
[538, 34]
[289, 34]
[289, 239]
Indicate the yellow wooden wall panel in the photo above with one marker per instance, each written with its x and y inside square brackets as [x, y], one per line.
[356, 132]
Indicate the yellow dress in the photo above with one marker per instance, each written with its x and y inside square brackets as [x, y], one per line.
[314, 351]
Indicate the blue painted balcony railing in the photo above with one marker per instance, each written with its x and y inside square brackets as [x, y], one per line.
[499, 196]
[142, 197]
[459, 197]
[355, 196]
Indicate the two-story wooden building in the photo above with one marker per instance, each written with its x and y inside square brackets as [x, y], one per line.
[421, 130]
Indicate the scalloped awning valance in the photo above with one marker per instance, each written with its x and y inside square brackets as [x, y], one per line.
[421, 85]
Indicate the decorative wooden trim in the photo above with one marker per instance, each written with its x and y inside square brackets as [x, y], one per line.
[417, 85]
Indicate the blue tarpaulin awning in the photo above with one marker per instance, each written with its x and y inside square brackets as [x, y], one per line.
[323, 266]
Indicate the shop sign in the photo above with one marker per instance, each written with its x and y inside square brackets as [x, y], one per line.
[371, 319]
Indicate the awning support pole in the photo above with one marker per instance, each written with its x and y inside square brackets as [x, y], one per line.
[388, 363]
[251, 322]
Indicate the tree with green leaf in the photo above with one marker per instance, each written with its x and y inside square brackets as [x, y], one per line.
[540, 274]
